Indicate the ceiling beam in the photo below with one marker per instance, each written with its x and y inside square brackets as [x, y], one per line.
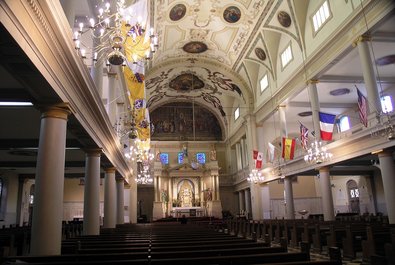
[352, 79]
[322, 105]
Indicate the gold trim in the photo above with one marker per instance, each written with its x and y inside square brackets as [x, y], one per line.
[61, 111]
[360, 39]
[110, 170]
[313, 81]
[93, 152]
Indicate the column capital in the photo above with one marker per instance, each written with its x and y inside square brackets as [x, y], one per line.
[385, 153]
[360, 39]
[111, 74]
[93, 151]
[313, 81]
[324, 169]
[119, 179]
[59, 111]
[110, 169]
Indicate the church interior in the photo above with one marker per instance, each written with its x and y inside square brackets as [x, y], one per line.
[243, 113]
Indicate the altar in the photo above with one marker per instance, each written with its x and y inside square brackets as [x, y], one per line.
[178, 212]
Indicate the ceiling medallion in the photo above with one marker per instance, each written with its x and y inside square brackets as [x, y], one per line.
[232, 14]
[177, 12]
[339, 92]
[186, 82]
[260, 53]
[284, 19]
[386, 60]
[305, 114]
[195, 47]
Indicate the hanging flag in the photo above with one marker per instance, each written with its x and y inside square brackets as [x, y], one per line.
[363, 108]
[258, 161]
[288, 148]
[270, 152]
[327, 121]
[254, 154]
[304, 136]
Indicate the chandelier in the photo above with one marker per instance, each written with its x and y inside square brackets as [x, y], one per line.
[317, 153]
[143, 174]
[120, 35]
[255, 176]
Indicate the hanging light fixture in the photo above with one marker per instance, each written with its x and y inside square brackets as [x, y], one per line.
[255, 176]
[120, 34]
[317, 153]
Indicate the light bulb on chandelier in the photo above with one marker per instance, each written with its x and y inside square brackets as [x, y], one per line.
[255, 176]
[121, 37]
[317, 153]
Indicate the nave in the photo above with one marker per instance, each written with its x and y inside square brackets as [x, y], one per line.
[201, 241]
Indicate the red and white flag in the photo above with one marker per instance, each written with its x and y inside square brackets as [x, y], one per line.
[258, 161]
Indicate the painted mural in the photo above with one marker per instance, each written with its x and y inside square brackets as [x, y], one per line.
[176, 121]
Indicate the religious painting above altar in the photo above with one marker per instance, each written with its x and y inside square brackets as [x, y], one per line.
[182, 121]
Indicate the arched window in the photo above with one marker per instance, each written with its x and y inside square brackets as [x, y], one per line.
[344, 124]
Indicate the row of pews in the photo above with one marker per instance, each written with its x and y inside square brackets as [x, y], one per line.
[170, 243]
[374, 240]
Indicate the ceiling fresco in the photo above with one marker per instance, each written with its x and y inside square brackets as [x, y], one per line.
[211, 40]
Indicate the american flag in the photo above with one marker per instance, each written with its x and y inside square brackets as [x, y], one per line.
[363, 108]
[304, 136]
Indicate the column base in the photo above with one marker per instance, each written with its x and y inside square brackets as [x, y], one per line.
[158, 211]
[214, 209]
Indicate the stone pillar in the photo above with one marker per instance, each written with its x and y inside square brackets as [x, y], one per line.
[369, 76]
[289, 198]
[243, 152]
[247, 198]
[97, 69]
[326, 193]
[217, 186]
[214, 187]
[238, 157]
[315, 107]
[69, 11]
[283, 121]
[110, 209]
[156, 189]
[133, 203]
[46, 232]
[112, 101]
[91, 224]
[388, 175]
[241, 200]
[120, 201]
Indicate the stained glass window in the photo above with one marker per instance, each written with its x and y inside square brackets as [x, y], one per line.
[201, 158]
[180, 158]
[164, 158]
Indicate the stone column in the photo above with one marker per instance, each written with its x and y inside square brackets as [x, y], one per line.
[243, 152]
[120, 201]
[315, 107]
[238, 157]
[91, 224]
[369, 75]
[133, 202]
[110, 209]
[247, 198]
[46, 232]
[289, 198]
[283, 121]
[97, 69]
[388, 175]
[112, 101]
[241, 200]
[214, 187]
[69, 11]
[326, 193]
[217, 186]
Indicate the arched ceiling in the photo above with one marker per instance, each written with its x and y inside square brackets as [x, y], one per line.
[213, 40]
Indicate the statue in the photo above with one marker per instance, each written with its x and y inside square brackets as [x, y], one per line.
[185, 150]
[213, 154]
[157, 155]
